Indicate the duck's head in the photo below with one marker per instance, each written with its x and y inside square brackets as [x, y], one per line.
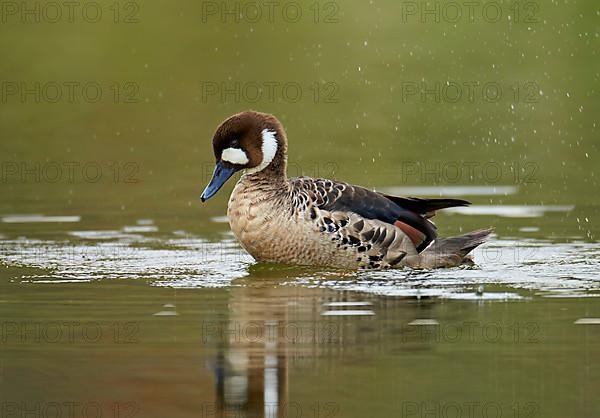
[250, 141]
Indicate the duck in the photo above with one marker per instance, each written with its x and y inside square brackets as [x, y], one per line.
[321, 222]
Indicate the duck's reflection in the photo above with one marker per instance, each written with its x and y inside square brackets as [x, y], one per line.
[251, 371]
[253, 380]
[271, 325]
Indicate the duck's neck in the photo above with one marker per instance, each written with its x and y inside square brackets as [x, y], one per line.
[275, 174]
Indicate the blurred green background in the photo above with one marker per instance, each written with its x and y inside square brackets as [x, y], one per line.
[354, 121]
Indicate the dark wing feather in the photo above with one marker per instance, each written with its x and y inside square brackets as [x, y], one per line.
[373, 205]
[400, 211]
[426, 206]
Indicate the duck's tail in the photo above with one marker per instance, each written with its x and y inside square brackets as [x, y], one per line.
[453, 251]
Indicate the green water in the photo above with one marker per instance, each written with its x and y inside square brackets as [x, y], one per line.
[140, 302]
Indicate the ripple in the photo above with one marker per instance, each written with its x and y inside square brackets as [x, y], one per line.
[510, 211]
[357, 312]
[344, 304]
[587, 321]
[36, 218]
[140, 228]
[541, 267]
[220, 219]
[104, 235]
[447, 191]
[184, 262]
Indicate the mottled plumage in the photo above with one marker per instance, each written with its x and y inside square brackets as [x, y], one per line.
[323, 222]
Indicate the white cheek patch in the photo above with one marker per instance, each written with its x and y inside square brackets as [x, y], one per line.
[268, 148]
[234, 156]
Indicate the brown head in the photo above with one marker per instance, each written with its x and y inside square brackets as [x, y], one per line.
[250, 141]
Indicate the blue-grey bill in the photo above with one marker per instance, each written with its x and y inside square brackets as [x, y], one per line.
[219, 177]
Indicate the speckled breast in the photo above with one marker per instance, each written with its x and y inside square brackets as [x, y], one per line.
[272, 230]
